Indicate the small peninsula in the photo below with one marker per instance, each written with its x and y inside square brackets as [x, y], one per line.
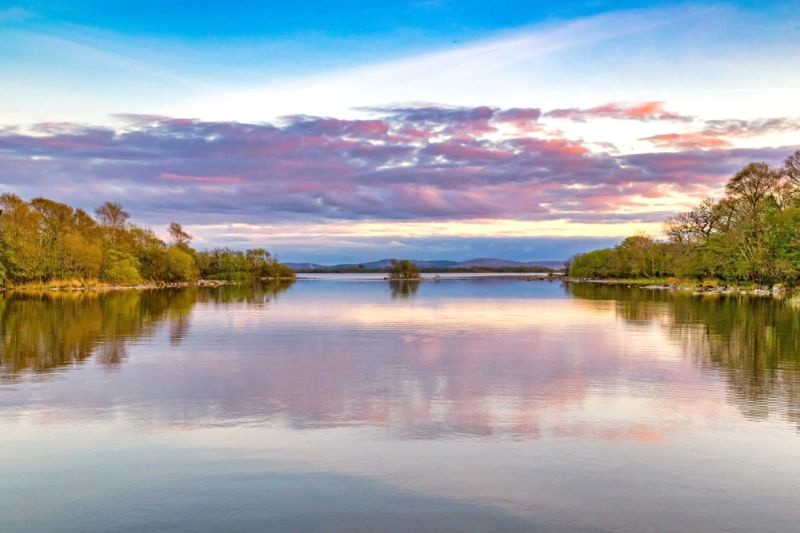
[46, 244]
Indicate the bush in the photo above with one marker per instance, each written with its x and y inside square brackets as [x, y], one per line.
[180, 266]
[403, 270]
[120, 268]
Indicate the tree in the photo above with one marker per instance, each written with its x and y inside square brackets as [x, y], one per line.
[179, 237]
[791, 169]
[752, 234]
[693, 226]
[753, 185]
[120, 268]
[55, 223]
[43, 241]
[597, 264]
[113, 218]
[403, 270]
[181, 265]
[258, 260]
[81, 258]
[22, 252]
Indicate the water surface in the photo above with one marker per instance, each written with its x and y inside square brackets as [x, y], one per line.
[343, 404]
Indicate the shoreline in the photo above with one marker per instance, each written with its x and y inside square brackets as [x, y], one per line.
[657, 284]
[430, 276]
[105, 287]
[777, 290]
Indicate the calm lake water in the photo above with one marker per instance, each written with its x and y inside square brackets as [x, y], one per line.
[344, 404]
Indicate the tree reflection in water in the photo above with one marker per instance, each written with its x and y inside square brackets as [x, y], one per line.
[41, 332]
[754, 343]
[403, 288]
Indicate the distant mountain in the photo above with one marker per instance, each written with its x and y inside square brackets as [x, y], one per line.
[304, 267]
[490, 262]
[383, 264]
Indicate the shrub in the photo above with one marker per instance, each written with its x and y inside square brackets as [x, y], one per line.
[120, 268]
[180, 266]
[403, 270]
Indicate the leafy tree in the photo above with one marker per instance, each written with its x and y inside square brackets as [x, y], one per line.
[43, 240]
[753, 185]
[226, 264]
[597, 264]
[403, 270]
[752, 234]
[81, 258]
[180, 265]
[22, 251]
[120, 268]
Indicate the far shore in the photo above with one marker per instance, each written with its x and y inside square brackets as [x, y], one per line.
[437, 276]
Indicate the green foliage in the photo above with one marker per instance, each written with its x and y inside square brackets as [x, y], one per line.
[43, 241]
[403, 270]
[750, 235]
[226, 264]
[180, 265]
[597, 264]
[22, 250]
[120, 268]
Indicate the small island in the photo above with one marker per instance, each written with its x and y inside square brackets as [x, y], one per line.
[403, 270]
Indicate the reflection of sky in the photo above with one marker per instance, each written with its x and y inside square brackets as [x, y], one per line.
[509, 395]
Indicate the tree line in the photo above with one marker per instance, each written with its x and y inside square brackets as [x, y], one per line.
[752, 235]
[43, 241]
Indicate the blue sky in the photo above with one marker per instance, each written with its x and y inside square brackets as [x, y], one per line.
[200, 20]
[335, 131]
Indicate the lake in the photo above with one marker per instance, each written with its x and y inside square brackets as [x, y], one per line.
[344, 404]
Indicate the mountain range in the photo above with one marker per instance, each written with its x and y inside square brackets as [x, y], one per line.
[477, 263]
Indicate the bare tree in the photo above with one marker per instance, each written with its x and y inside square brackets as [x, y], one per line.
[694, 226]
[179, 236]
[791, 169]
[112, 215]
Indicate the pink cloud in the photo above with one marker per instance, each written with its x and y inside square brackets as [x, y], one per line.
[644, 111]
[430, 163]
[688, 141]
[716, 133]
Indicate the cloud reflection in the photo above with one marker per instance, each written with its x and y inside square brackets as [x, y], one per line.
[591, 367]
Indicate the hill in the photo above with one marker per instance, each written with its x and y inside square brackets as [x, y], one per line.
[481, 263]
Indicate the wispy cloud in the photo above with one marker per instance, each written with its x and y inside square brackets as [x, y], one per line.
[723, 133]
[646, 111]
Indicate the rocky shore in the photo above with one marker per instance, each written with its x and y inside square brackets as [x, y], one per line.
[79, 286]
[778, 290]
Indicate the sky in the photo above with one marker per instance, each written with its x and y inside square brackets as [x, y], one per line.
[431, 129]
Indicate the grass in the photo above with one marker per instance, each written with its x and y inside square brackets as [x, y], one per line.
[628, 281]
[56, 285]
